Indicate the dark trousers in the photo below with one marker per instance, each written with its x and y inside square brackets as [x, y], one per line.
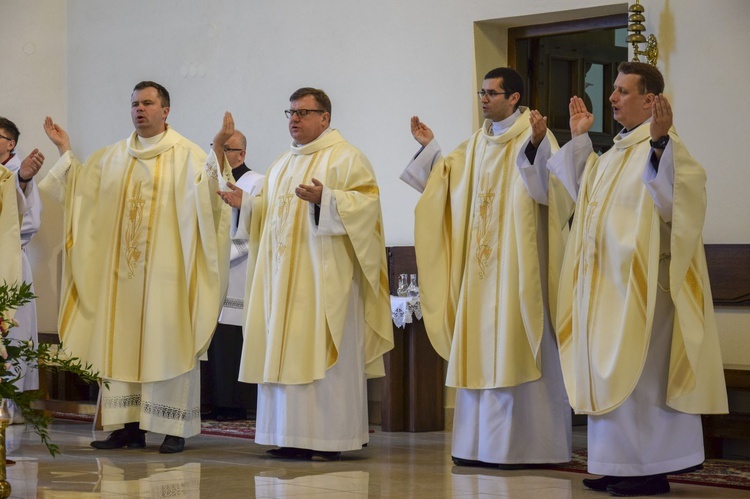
[221, 389]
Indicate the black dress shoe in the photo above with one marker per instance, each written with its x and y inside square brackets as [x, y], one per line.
[458, 461]
[291, 453]
[172, 445]
[125, 437]
[640, 486]
[602, 483]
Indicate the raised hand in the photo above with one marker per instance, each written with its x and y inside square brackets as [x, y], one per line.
[312, 193]
[31, 165]
[661, 117]
[220, 139]
[581, 120]
[538, 127]
[421, 132]
[57, 135]
[232, 197]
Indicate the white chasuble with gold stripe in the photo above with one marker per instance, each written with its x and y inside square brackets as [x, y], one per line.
[146, 256]
[299, 282]
[10, 228]
[480, 241]
[610, 280]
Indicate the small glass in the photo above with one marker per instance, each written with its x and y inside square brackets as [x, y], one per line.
[413, 289]
[402, 285]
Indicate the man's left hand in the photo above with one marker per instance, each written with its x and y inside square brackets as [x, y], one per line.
[312, 193]
[661, 117]
[31, 165]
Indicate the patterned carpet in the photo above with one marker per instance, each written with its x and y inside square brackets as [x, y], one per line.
[239, 429]
[715, 472]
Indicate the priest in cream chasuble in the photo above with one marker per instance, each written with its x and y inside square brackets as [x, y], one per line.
[489, 241]
[317, 317]
[635, 324]
[145, 270]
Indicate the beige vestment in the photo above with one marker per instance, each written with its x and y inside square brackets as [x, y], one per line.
[10, 228]
[478, 232]
[317, 312]
[489, 255]
[146, 258]
[610, 279]
[299, 282]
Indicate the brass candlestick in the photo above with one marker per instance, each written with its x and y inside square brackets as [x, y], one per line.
[636, 27]
[4, 422]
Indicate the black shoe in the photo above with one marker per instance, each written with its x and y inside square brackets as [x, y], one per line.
[602, 483]
[470, 462]
[125, 437]
[291, 453]
[172, 445]
[640, 486]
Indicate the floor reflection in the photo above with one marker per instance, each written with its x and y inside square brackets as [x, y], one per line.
[473, 482]
[283, 483]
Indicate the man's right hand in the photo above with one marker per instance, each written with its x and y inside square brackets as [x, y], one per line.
[581, 120]
[57, 135]
[421, 132]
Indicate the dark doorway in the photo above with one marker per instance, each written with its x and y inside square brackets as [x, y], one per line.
[560, 60]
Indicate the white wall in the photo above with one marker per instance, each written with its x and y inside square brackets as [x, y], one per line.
[380, 62]
[34, 84]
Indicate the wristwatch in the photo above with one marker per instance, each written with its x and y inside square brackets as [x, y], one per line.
[660, 143]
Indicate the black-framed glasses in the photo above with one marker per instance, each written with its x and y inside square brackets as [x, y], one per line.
[6, 138]
[226, 148]
[492, 94]
[301, 112]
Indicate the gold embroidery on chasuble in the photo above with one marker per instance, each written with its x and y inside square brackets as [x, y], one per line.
[133, 226]
[279, 224]
[483, 225]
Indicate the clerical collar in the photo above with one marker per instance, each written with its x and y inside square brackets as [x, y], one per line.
[150, 141]
[625, 132]
[325, 132]
[500, 127]
[9, 158]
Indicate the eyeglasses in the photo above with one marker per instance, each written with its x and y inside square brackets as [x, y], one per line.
[491, 94]
[301, 112]
[6, 138]
[227, 148]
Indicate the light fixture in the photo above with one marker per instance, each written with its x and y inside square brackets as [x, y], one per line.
[636, 27]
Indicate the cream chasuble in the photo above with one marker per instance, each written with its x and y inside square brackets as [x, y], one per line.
[299, 283]
[480, 235]
[610, 279]
[10, 228]
[146, 256]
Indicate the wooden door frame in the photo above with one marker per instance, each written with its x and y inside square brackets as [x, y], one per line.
[561, 28]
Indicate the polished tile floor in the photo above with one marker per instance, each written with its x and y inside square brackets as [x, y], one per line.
[398, 465]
